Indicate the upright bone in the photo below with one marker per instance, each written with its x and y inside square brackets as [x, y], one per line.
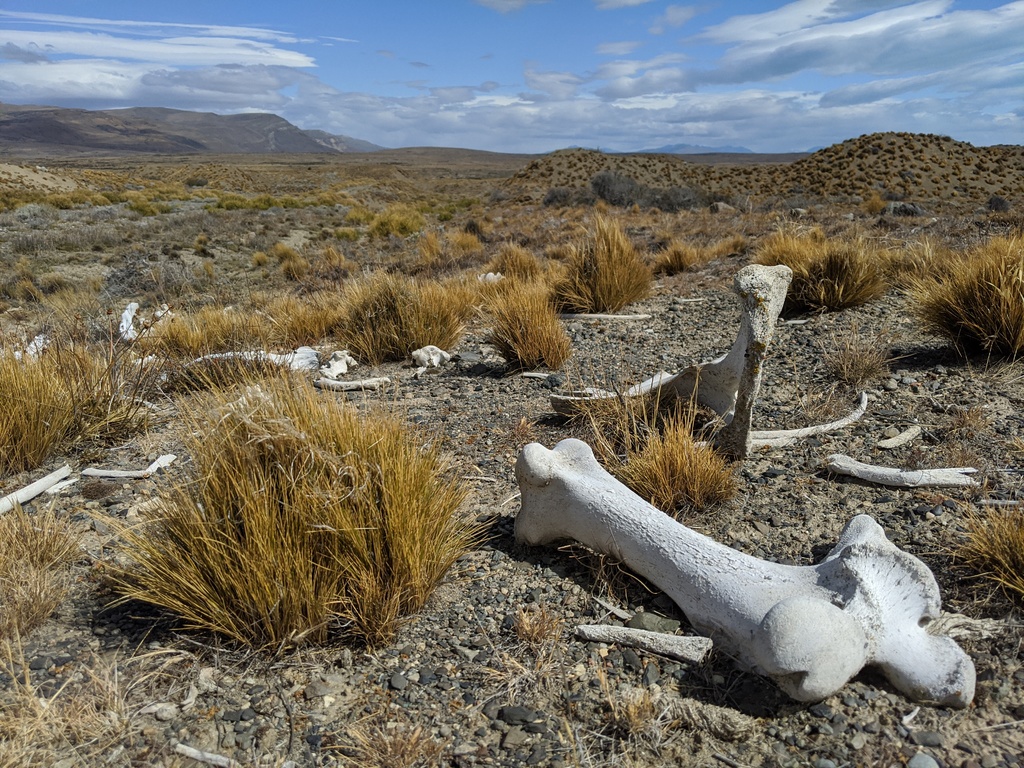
[810, 629]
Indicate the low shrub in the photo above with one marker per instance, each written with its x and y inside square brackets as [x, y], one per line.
[604, 273]
[303, 519]
[977, 302]
[828, 274]
[526, 331]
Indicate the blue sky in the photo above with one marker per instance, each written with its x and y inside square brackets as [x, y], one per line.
[538, 75]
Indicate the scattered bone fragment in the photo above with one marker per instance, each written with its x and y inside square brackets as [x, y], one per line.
[352, 386]
[490, 277]
[599, 316]
[338, 364]
[809, 628]
[34, 349]
[691, 649]
[127, 328]
[902, 438]
[947, 477]
[302, 359]
[54, 490]
[131, 474]
[430, 356]
[210, 758]
[32, 490]
[777, 438]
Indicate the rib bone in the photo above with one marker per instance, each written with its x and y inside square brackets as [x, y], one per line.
[810, 629]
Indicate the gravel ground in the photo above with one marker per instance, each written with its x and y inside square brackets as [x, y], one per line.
[490, 673]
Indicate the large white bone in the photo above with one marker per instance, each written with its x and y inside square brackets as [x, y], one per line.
[730, 384]
[808, 628]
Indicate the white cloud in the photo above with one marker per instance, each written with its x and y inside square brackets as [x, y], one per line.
[147, 27]
[607, 5]
[556, 85]
[507, 6]
[618, 49]
[674, 16]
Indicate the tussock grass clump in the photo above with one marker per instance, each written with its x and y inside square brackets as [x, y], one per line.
[994, 548]
[977, 302]
[679, 257]
[67, 397]
[516, 263]
[387, 316]
[303, 516]
[35, 553]
[398, 219]
[208, 330]
[604, 273]
[828, 274]
[526, 330]
[677, 474]
[649, 445]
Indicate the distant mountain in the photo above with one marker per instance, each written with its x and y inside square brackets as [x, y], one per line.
[694, 149]
[31, 130]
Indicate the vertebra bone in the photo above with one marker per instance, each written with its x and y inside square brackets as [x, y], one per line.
[810, 629]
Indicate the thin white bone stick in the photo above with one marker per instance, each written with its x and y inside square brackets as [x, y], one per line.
[902, 438]
[598, 316]
[615, 611]
[901, 478]
[209, 758]
[131, 474]
[32, 490]
[776, 438]
[692, 649]
[61, 486]
[351, 386]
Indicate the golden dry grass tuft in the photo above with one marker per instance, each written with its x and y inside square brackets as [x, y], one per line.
[35, 554]
[526, 330]
[398, 219]
[381, 742]
[679, 257]
[516, 263]
[387, 316]
[302, 517]
[828, 273]
[604, 273]
[67, 397]
[676, 473]
[650, 446]
[994, 548]
[977, 302]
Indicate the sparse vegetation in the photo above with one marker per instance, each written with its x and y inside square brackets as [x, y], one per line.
[829, 274]
[856, 358]
[516, 262]
[977, 303]
[604, 274]
[994, 548]
[526, 331]
[303, 518]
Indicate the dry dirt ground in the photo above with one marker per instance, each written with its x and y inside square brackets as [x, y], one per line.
[490, 672]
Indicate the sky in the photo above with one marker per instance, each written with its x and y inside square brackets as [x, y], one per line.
[538, 75]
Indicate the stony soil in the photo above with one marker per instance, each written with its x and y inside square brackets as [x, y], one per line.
[462, 673]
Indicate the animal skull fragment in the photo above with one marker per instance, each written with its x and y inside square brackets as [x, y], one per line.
[808, 628]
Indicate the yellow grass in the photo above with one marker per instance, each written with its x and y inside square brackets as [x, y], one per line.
[604, 273]
[303, 519]
[526, 331]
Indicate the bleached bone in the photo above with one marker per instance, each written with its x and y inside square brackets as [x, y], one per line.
[902, 478]
[776, 438]
[490, 277]
[127, 326]
[902, 438]
[351, 386]
[599, 316]
[302, 359]
[131, 474]
[338, 364]
[808, 628]
[729, 384]
[34, 349]
[32, 490]
[691, 649]
[430, 356]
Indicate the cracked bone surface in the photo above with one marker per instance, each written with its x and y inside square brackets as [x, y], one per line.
[808, 628]
[729, 384]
